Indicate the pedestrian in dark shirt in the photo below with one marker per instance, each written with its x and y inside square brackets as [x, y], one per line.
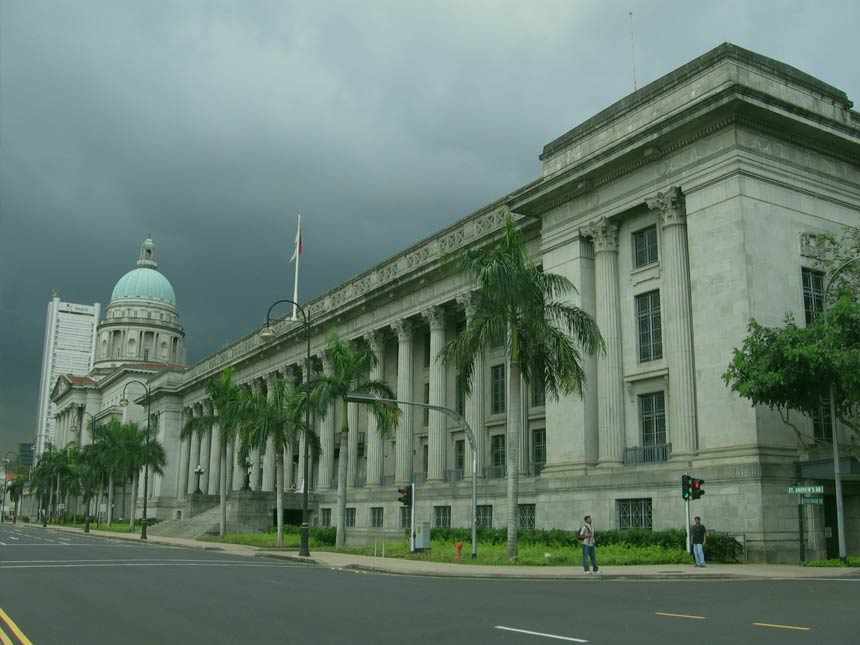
[699, 536]
[586, 533]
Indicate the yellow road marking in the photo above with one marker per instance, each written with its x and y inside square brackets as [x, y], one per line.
[800, 629]
[4, 638]
[660, 613]
[14, 628]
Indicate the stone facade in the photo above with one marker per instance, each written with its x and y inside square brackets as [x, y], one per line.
[679, 213]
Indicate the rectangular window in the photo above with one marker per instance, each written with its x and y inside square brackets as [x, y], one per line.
[652, 419]
[634, 513]
[350, 517]
[645, 247]
[497, 381]
[442, 517]
[460, 454]
[813, 293]
[461, 397]
[527, 516]
[497, 443]
[539, 446]
[426, 350]
[425, 457]
[822, 427]
[376, 515]
[650, 331]
[405, 517]
[538, 392]
[325, 517]
[485, 516]
[426, 400]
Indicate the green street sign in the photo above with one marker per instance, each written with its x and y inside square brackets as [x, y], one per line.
[818, 501]
[805, 490]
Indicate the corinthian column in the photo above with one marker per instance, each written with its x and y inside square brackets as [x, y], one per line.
[671, 210]
[326, 468]
[373, 441]
[610, 388]
[438, 422]
[269, 457]
[475, 401]
[403, 463]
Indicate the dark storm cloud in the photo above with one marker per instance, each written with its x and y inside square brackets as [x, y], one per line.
[209, 124]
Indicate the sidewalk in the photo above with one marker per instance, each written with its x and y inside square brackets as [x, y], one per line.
[453, 570]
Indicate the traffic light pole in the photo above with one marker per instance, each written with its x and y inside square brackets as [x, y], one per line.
[687, 523]
[412, 520]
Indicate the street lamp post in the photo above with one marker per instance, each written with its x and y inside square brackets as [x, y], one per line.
[198, 471]
[6, 462]
[124, 403]
[267, 335]
[89, 473]
[837, 476]
[368, 398]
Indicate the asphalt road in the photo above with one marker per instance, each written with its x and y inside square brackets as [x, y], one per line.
[63, 589]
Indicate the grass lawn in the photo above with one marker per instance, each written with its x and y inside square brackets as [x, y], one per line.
[853, 561]
[488, 554]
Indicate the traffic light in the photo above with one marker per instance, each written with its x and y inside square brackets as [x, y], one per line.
[405, 495]
[686, 487]
[697, 490]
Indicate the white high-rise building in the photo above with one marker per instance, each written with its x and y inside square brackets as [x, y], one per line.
[70, 338]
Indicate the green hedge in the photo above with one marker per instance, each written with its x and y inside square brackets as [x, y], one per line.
[720, 547]
[324, 535]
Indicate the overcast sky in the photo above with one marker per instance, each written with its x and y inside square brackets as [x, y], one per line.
[209, 124]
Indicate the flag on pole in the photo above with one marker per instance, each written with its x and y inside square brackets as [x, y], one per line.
[298, 250]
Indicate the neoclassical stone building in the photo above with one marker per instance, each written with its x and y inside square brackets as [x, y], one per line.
[680, 212]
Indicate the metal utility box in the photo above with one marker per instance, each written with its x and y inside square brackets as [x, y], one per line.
[422, 536]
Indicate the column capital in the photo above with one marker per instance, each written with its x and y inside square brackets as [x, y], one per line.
[403, 327]
[670, 206]
[375, 340]
[467, 301]
[435, 315]
[603, 234]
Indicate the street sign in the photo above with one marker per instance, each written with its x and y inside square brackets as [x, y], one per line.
[818, 501]
[803, 490]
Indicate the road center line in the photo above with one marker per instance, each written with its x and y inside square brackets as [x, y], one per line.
[660, 613]
[555, 636]
[4, 617]
[799, 629]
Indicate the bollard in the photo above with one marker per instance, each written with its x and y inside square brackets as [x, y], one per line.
[459, 547]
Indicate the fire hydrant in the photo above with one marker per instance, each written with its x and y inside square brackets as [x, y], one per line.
[459, 547]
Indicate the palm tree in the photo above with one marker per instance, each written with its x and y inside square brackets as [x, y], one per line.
[140, 449]
[108, 440]
[277, 417]
[225, 396]
[351, 365]
[16, 491]
[515, 300]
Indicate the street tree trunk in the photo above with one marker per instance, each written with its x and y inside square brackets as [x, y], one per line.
[340, 537]
[110, 501]
[133, 510]
[512, 450]
[222, 486]
[279, 493]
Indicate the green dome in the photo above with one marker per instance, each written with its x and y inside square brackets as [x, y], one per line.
[144, 284]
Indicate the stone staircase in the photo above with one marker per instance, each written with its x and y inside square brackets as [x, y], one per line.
[205, 523]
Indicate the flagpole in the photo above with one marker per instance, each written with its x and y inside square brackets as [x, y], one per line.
[298, 255]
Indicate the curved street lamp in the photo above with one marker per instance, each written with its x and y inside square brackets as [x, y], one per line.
[267, 335]
[74, 429]
[124, 403]
[837, 476]
[198, 471]
[6, 462]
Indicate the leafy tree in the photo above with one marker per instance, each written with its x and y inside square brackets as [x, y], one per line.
[792, 368]
[516, 301]
[351, 365]
[140, 449]
[15, 490]
[107, 439]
